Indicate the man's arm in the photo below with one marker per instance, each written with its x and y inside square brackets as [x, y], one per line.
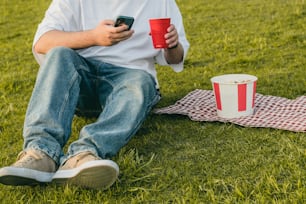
[174, 54]
[105, 34]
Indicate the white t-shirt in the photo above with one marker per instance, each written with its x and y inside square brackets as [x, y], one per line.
[136, 52]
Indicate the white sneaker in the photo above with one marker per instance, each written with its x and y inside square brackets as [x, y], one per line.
[88, 171]
[31, 168]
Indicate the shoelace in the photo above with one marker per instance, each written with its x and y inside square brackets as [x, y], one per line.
[25, 157]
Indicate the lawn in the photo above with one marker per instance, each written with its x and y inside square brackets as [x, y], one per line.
[173, 159]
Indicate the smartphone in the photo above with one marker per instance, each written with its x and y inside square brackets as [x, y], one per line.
[127, 20]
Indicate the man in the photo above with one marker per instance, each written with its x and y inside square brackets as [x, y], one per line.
[90, 67]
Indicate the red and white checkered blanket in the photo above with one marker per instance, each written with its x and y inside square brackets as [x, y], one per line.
[270, 111]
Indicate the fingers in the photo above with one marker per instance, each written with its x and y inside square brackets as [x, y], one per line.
[119, 35]
[106, 34]
[172, 36]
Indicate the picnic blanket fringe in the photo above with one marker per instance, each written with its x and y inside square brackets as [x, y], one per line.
[270, 111]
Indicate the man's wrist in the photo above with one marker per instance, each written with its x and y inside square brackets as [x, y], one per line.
[173, 47]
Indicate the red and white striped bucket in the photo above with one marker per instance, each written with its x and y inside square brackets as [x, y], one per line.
[234, 94]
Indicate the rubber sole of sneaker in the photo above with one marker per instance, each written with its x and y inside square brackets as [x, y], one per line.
[21, 177]
[98, 174]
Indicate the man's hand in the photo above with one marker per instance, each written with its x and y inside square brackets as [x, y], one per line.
[172, 37]
[105, 34]
[174, 53]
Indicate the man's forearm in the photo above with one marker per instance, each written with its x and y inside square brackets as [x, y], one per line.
[174, 55]
[54, 38]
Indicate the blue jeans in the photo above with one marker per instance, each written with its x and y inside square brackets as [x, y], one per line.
[120, 97]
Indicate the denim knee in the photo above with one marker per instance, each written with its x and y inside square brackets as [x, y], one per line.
[142, 88]
[140, 79]
[62, 60]
[60, 52]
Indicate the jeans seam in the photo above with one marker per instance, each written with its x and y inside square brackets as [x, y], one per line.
[66, 97]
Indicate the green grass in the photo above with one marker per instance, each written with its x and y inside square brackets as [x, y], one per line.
[173, 159]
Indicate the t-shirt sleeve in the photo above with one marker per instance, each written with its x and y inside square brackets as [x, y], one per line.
[59, 16]
[176, 18]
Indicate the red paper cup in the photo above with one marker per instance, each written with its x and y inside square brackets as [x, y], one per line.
[159, 28]
[234, 95]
